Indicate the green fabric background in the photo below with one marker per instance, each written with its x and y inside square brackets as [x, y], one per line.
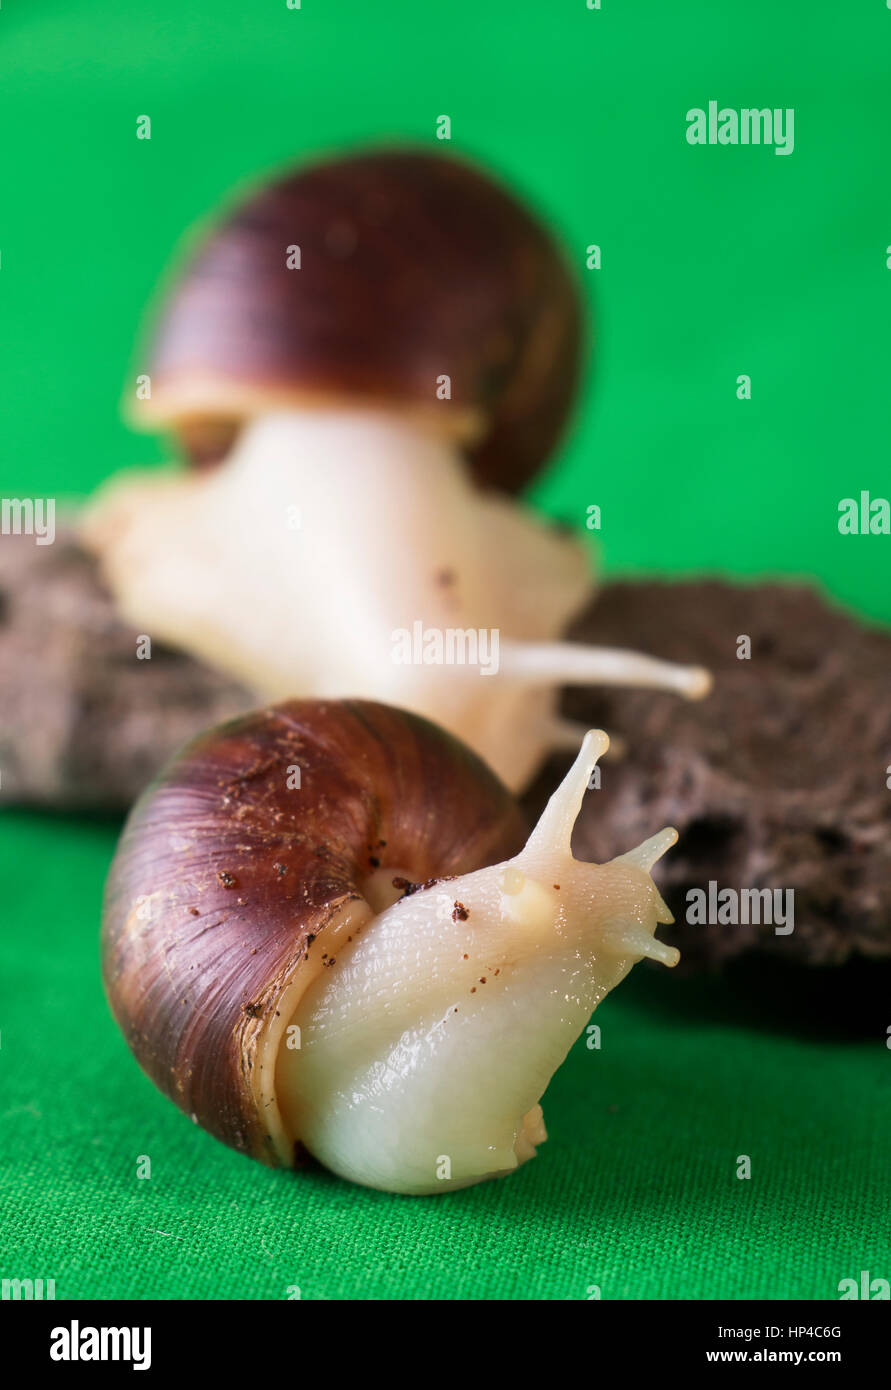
[715, 262]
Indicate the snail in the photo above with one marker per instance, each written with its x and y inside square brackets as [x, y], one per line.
[367, 360]
[324, 934]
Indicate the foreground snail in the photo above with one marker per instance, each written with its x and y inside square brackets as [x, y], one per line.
[323, 932]
[370, 400]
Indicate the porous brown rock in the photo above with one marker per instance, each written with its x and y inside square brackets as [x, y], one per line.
[84, 723]
[778, 779]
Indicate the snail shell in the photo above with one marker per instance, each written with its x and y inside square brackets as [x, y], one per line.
[431, 990]
[231, 890]
[412, 266]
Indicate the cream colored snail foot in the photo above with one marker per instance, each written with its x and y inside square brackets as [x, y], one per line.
[333, 547]
[323, 932]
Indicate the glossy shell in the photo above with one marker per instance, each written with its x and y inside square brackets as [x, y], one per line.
[412, 266]
[226, 881]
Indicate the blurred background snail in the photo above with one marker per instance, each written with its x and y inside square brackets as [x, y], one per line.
[366, 361]
[323, 932]
[337, 497]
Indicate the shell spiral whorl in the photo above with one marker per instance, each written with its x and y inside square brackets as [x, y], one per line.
[229, 887]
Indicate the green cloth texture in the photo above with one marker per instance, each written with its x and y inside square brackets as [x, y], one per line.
[716, 262]
[635, 1191]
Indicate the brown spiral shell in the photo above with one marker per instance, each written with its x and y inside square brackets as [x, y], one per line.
[412, 265]
[226, 881]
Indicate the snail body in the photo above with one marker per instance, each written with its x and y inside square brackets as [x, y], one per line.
[299, 563]
[371, 966]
